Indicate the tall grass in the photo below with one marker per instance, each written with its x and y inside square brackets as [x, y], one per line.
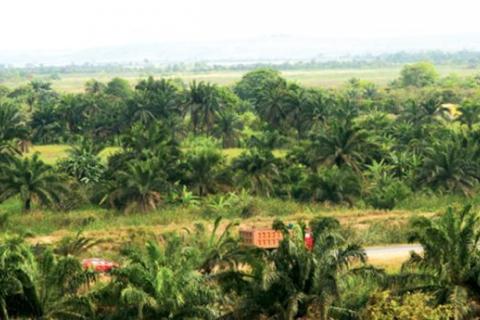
[366, 225]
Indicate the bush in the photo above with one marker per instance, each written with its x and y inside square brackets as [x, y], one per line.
[386, 194]
[384, 190]
[336, 185]
[420, 74]
[74, 199]
[384, 305]
[356, 289]
[85, 167]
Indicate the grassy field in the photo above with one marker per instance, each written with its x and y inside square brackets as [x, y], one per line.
[368, 225]
[54, 152]
[311, 78]
[360, 224]
[114, 229]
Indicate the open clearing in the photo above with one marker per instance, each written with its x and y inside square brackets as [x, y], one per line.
[310, 78]
[52, 153]
[119, 230]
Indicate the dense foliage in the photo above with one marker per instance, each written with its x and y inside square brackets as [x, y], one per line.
[169, 143]
[202, 274]
[421, 133]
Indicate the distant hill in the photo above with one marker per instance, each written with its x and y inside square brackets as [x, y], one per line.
[261, 49]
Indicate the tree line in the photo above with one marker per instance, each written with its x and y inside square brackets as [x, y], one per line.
[464, 58]
[355, 144]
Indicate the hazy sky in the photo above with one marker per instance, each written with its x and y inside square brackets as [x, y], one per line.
[73, 24]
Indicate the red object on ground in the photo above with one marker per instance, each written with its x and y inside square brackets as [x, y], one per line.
[308, 239]
[99, 265]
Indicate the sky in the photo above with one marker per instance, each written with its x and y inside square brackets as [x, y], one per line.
[78, 24]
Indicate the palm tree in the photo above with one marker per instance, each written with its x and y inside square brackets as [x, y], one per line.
[450, 165]
[46, 124]
[161, 283]
[75, 245]
[39, 85]
[256, 170]
[470, 113]
[319, 104]
[44, 287]
[32, 180]
[140, 110]
[72, 108]
[203, 101]
[140, 138]
[17, 266]
[94, 87]
[40, 94]
[204, 163]
[342, 144]
[450, 262]
[159, 97]
[227, 127]
[272, 103]
[299, 110]
[59, 285]
[220, 249]
[83, 162]
[266, 140]
[139, 186]
[12, 130]
[333, 184]
[292, 281]
[425, 109]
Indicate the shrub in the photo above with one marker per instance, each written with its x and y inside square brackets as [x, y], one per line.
[384, 305]
[84, 167]
[337, 185]
[184, 197]
[386, 193]
[384, 190]
[420, 74]
[75, 198]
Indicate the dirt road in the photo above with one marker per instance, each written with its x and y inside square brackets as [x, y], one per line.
[391, 255]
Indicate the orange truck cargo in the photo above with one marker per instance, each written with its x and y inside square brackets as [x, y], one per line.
[265, 238]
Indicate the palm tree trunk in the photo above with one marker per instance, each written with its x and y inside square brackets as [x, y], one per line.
[140, 311]
[323, 311]
[27, 204]
[3, 310]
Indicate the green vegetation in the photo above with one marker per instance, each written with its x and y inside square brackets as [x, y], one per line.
[418, 75]
[31, 179]
[201, 274]
[326, 77]
[357, 165]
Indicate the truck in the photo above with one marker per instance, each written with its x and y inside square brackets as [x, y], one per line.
[268, 238]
